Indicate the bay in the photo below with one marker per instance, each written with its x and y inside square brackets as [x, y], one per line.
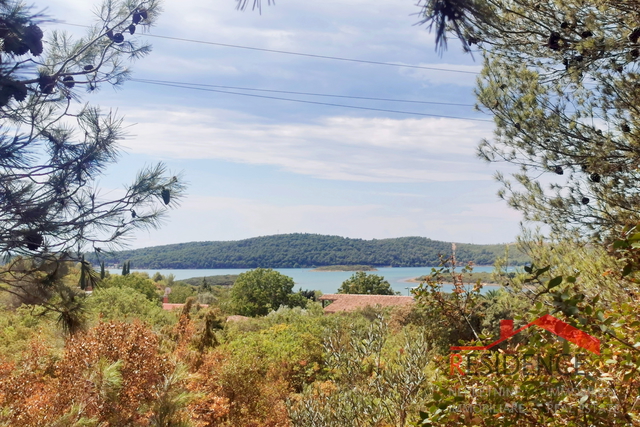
[326, 282]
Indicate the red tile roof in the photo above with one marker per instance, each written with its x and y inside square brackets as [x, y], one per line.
[352, 302]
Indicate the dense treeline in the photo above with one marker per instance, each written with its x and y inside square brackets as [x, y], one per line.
[307, 251]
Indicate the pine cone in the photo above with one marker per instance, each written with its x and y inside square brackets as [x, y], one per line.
[166, 196]
[47, 84]
[69, 82]
[19, 91]
[33, 239]
[33, 38]
[554, 41]
[118, 38]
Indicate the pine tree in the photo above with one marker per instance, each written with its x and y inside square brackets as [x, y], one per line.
[126, 268]
[560, 79]
[53, 149]
[205, 285]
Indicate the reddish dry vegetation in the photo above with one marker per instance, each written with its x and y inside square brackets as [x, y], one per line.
[116, 374]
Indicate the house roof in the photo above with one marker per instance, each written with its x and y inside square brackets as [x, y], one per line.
[352, 302]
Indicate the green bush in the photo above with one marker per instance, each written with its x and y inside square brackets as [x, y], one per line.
[126, 304]
[180, 292]
[289, 339]
[363, 283]
[136, 281]
[18, 327]
[257, 292]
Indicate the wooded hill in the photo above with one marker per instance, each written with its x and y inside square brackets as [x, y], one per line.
[308, 251]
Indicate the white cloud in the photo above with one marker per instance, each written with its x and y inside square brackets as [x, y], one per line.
[366, 151]
[340, 148]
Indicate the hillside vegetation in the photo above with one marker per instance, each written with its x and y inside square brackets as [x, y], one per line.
[309, 251]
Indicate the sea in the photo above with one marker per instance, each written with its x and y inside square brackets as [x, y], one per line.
[326, 282]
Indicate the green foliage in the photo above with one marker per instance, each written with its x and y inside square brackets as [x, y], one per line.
[560, 79]
[172, 400]
[221, 280]
[465, 314]
[583, 286]
[18, 327]
[180, 292]
[373, 379]
[483, 277]
[363, 283]
[290, 339]
[88, 277]
[126, 304]
[54, 149]
[308, 251]
[126, 268]
[136, 281]
[259, 291]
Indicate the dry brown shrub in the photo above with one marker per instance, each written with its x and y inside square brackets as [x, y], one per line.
[112, 373]
[26, 389]
[240, 393]
[81, 372]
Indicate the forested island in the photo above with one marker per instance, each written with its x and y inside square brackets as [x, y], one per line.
[308, 251]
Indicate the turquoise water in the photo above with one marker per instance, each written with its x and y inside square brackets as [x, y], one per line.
[327, 282]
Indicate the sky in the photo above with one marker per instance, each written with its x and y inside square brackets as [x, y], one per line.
[259, 166]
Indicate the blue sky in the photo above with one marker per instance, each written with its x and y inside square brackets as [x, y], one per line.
[258, 166]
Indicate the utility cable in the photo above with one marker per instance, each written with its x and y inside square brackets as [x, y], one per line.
[310, 102]
[309, 55]
[302, 93]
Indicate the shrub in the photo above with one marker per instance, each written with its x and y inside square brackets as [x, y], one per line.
[136, 281]
[363, 283]
[126, 304]
[257, 292]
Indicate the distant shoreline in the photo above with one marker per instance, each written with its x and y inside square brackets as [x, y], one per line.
[417, 280]
[345, 268]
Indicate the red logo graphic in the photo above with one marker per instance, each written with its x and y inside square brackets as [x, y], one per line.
[549, 323]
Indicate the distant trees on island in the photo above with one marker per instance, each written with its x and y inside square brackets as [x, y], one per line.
[309, 251]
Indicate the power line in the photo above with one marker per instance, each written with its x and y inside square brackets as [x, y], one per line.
[309, 102]
[302, 93]
[309, 55]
